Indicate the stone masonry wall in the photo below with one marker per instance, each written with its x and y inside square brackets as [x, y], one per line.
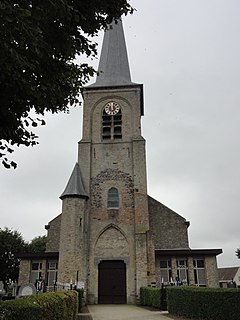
[211, 272]
[53, 234]
[24, 272]
[118, 163]
[168, 229]
[72, 257]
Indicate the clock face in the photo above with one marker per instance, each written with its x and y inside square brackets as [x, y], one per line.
[112, 108]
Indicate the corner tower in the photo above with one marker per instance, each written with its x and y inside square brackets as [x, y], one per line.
[113, 166]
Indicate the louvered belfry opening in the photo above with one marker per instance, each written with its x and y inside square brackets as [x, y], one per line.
[111, 126]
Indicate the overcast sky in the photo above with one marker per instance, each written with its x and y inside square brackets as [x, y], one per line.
[187, 55]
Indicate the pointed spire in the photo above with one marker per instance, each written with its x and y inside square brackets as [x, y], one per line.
[113, 67]
[75, 185]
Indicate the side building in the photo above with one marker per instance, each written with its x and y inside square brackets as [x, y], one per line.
[112, 238]
[229, 277]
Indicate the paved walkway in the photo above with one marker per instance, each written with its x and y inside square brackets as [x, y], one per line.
[124, 312]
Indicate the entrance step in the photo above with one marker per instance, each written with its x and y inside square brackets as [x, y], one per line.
[84, 316]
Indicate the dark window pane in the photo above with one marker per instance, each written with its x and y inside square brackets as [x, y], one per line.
[35, 266]
[113, 198]
[117, 130]
[200, 263]
[163, 263]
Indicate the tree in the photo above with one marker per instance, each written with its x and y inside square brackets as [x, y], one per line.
[11, 242]
[39, 43]
[38, 244]
[238, 253]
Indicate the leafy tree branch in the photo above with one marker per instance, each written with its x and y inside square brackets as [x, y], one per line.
[39, 43]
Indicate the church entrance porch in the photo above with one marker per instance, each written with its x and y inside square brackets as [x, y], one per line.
[112, 282]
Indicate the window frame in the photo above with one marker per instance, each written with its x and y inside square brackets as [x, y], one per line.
[165, 271]
[113, 198]
[182, 270]
[52, 274]
[36, 273]
[199, 272]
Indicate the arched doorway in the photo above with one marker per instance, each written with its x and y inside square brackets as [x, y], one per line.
[112, 281]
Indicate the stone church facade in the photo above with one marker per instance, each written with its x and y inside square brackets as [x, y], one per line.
[112, 238]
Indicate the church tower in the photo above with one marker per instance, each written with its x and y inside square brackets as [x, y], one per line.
[105, 205]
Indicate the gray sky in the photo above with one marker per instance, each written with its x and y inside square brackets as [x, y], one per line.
[187, 55]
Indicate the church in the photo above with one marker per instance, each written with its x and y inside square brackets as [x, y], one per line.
[111, 237]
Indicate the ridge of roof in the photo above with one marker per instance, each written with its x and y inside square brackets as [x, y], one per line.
[113, 67]
[75, 186]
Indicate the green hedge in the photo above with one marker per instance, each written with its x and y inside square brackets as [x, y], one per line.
[47, 306]
[204, 303]
[80, 299]
[153, 297]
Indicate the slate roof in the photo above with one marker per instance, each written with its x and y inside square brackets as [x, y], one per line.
[227, 274]
[113, 66]
[75, 185]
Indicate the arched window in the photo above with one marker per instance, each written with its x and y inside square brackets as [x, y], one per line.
[112, 125]
[113, 199]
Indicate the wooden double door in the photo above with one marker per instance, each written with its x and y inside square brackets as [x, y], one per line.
[112, 282]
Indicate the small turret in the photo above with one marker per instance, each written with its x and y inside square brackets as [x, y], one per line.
[72, 247]
[75, 187]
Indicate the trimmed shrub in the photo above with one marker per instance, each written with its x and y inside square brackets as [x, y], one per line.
[47, 306]
[80, 299]
[204, 303]
[20, 309]
[142, 296]
[153, 297]
[163, 299]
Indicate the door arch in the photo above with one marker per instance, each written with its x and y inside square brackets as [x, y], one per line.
[112, 282]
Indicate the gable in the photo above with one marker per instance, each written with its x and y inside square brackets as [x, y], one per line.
[168, 229]
[53, 234]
